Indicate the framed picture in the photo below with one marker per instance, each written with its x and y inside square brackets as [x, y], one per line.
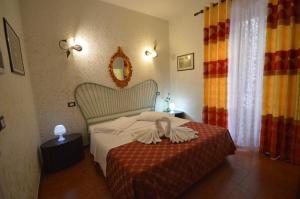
[185, 62]
[14, 49]
[1, 63]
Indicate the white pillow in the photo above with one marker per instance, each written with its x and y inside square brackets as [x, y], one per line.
[151, 116]
[115, 126]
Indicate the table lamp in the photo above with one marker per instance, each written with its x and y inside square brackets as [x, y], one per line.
[172, 107]
[60, 130]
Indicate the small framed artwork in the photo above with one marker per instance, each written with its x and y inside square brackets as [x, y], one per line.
[14, 49]
[185, 62]
[1, 63]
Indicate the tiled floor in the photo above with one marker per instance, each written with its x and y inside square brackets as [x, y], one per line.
[246, 175]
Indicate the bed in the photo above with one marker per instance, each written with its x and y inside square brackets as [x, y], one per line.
[136, 170]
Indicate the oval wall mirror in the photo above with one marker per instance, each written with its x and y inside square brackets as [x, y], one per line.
[120, 68]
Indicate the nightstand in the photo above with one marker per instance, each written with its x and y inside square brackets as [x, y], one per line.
[175, 113]
[59, 155]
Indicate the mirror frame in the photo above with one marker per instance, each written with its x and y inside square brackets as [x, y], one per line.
[120, 53]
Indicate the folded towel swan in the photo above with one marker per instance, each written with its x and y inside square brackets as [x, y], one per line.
[147, 136]
[176, 135]
[182, 134]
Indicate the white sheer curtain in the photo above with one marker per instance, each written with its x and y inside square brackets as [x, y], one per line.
[245, 72]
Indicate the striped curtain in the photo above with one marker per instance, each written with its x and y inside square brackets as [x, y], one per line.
[216, 32]
[280, 133]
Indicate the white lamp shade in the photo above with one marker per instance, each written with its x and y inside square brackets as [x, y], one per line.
[151, 53]
[60, 130]
[154, 53]
[172, 106]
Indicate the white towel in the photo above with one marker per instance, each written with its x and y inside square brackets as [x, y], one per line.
[147, 136]
[181, 134]
[176, 135]
[163, 129]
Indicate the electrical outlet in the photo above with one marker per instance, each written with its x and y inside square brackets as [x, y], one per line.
[2, 123]
[71, 104]
[157, 93]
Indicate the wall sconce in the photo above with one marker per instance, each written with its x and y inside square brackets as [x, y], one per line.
[152, 52]
[67, 48]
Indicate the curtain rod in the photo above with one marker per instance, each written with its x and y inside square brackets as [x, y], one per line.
[202, 11]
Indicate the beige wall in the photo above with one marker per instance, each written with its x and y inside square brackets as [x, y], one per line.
[186, 35]
[19, 167]
[103, 27]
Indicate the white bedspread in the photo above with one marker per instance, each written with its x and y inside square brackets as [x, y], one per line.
[102, 143]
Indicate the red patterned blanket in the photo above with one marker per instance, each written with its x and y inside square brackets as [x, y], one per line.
[166, 170]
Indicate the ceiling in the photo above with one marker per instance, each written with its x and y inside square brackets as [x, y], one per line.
[165, 9]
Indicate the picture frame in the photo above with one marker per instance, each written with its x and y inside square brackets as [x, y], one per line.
[1, 63]
[14, 49]
[185, 62]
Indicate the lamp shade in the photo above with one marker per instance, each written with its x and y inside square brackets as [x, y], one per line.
[172, 106]
[60, 130]
[151, 53]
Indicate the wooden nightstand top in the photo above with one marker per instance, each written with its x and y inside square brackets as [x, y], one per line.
[68, 138]
[176, 112]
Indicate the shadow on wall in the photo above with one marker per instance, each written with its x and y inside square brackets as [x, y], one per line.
[188, 116]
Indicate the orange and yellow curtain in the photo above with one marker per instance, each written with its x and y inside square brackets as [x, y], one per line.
[280, 133]
[216, 32]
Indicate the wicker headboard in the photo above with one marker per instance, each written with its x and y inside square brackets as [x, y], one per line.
[99, 103]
